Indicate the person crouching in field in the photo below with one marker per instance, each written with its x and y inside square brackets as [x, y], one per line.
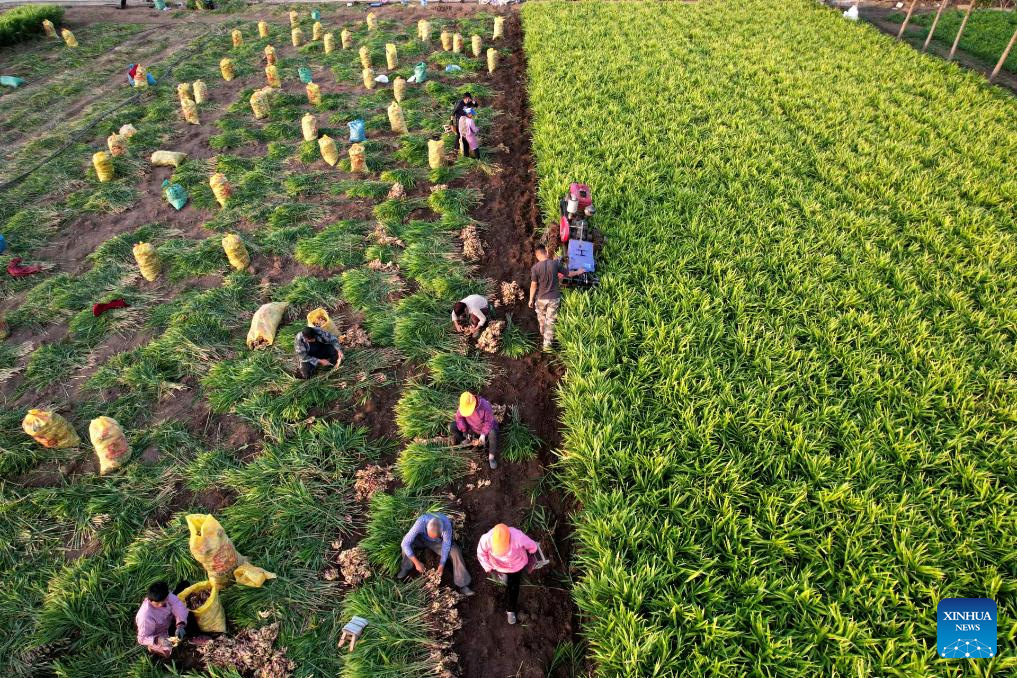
[433, 531]
[475, 422]
[468, 315]
[507, 551]
[159, 608]
[316, 348]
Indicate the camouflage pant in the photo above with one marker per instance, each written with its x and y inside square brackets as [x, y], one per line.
[547, 315]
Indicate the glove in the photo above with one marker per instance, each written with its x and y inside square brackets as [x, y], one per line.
[483, 439]
[181, 632]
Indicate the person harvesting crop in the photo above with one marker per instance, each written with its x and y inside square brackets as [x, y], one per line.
[316, 348]
[467, 101]
[468, 315]
[433, 531]
[475, 422]
[153, 619]
[469, 141]
[545, 291]
[506, 551]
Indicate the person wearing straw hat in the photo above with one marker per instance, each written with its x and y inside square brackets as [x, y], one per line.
[507, 551]
[475, 423]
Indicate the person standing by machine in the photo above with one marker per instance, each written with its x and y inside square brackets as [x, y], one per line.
[545, 291]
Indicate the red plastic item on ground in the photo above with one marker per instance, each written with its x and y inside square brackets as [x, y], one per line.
[99, 309]
[16, 270]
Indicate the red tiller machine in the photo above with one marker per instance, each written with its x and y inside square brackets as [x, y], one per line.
[576, 235]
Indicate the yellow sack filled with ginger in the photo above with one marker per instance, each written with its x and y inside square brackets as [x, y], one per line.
[269, 55]
[200, 92]
[221, 189]
[167, 158]
[227, 69]
[148, 261]
[424, 30]
[49, 28]
[294, 19]
[69, 38]
[492, 59]
[309, 127]
[117, 145]
[110, 444]
[264, 324]
[297, 37]
[372, 21]
[190, 111]
[272, 76]
[49, 429]
[238, 37]
[212, 549]
[435, 152]
[399, 88]
[329, 152]
[319, 318]
[259, 102]
[316, 31]
[457, 43]
[329, 41]
[499, 27]
[391, 56]
[346, 38]
[127, 131]
[313, 94]
[236, 251]
[446, 40]
[262, 29]
[368, 74]
[184, 91]
[365, 57]
[358, 159]
[252, 575]
[210, 615]
[141, 77]
[396, 118]
[476, 43]
[103, 165]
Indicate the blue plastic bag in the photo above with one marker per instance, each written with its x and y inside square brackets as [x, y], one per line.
[160, 5]
[304, 73]
[420, 72]
[452, 68]
[3, 244]
[315, 15]
[175, 194]
[11, 81]
[356, 131]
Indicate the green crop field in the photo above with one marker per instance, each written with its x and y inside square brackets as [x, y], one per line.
[986, 35]
[790, 406]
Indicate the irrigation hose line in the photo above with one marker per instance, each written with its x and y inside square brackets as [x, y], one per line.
[211, 32]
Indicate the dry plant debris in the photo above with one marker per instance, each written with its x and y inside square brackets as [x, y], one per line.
[381, 236]
[371, 479]
[490, 339]
[397, 191]
[511, 294]
[379, 265]
[443, 618]
[500, 412]
[354, 566]
[355, 337]
[250, 653]
[473, 249]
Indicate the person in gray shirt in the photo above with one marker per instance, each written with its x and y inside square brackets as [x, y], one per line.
[545, 291]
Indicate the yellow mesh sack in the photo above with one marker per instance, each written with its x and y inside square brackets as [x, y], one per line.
[110, 444]
[262, 29]
[222, 190]
[369, 78]
[346, 38]
[313, 94]
[103, 165]
[396, 118]
[297, 37]
[391, 56]
[435, 152]
[167, 158]
[117, 144]
[50, 29]
[499, 27]
[190, 110]
[238, 37]
[457, 43]
[329, 152]
[259, 102]
[294, 19]
[127, 131]
[226, 68]
[236, 251]
[358, 158]
[424, 30]
[316, 31]
[210, 615]
[141, 77]
[329, 41]
[148, 261]
[492, 59]
[49, 429]
[264, 324]
[446, 40]
[200, 92]
[309, 127]
[272, 76]
[399, 88]
[69, 38]
[372, 21]
[252, 575]
[184, 91]
[319, 318]
[212, 548]
[269, 54]
[476, 43]
[365, 57]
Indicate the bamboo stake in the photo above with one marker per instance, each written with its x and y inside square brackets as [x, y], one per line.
[956, 41]
[1002, 59]
[935, 22]
[907, 19]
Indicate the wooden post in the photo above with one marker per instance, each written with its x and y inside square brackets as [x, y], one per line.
[956, 41]
[907, 19]
[1002, 59]
[935, 22]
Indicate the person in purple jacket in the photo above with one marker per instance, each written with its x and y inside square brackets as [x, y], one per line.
[475, 422]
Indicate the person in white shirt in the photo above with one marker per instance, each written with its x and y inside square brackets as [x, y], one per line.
[469, 314]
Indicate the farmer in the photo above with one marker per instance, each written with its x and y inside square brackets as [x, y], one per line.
[316, 348]
[468, 315]
[434, 531]
[545, 293]
[469, 142]
[467, 101]
[506, 551]
[159, 608]
[475, 422]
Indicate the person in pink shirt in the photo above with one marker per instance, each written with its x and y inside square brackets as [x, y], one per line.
[507, 551]
[468, 133]
[159, 608]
